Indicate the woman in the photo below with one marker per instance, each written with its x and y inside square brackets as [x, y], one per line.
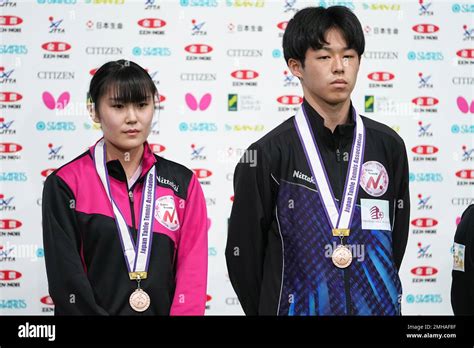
[125, 230]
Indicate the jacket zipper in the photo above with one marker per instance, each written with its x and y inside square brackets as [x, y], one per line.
[132, 208]
[346, 270]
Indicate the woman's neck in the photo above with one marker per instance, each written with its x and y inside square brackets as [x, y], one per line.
[129, 159]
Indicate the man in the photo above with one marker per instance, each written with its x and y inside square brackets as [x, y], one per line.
[291, 250]
[462, 287]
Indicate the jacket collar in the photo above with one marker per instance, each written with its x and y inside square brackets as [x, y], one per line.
[342, 131]
[115, 169]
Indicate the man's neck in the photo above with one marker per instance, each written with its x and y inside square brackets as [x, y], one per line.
[333, 114]
[129, 159]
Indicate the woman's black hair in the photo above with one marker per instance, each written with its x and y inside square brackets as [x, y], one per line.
[127, 81]
[309, 26]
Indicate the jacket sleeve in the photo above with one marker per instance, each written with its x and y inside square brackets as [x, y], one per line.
[462, 286]
[192, 256]
[68, 284]
[402, 207]
[248, 228]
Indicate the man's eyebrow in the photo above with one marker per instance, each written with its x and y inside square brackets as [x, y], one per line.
[327, 48]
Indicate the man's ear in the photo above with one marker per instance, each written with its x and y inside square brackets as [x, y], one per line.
[295, 67]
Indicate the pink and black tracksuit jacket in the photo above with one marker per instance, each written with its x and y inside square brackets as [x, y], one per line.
[86, 269]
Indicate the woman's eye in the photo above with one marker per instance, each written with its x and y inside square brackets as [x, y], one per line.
[117, 106]
[142, 105]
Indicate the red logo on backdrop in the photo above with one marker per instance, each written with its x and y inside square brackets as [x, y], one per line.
[161, 98]
[424, 271]
[232, 198]
[10, 224]
[46, 172]
[93, 71]
[56, 46]
[198, 49]
[10, 20]
[465, 174]
[290, 99]
[151, 23]
[47, 300]
[425, 101]
[10, 147]
[6, 275]
[425, 28]
[208, 298]
[10, 97]
[282, 25]
[244, 74]
[466, 53]
[424, 149]
[157, 148]
[202, 173]
[381, 76]
[424, 222]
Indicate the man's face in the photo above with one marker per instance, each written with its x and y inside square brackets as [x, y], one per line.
[330, 73]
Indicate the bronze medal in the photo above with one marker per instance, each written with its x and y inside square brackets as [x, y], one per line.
[342, 256]
[139, 300]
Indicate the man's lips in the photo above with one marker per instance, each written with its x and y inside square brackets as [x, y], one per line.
[339, 82]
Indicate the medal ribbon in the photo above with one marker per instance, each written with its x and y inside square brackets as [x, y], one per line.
[136, 256]
[339, 217]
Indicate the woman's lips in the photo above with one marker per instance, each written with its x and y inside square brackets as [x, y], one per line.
[132, 132]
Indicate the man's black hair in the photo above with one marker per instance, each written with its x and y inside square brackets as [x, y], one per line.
[310, 25]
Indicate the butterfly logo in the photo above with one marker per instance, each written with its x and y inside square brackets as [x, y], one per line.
[60, 103]
[464, 106]
[193, 103]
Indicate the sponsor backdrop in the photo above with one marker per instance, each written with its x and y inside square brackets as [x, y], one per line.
[219, 68]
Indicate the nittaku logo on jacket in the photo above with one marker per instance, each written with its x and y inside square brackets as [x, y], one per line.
[299, 175]
[170, 183]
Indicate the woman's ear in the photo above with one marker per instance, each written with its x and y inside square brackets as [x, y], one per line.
[91, 109]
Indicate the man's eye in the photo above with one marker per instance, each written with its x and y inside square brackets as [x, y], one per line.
[349, 56]
[324, 57]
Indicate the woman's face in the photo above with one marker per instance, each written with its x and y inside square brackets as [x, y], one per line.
[126, 126]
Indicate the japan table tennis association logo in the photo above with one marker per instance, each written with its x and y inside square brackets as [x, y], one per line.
[166, 214]
[52, 103]
[464, 105]
[193, 103]
[374, 178]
